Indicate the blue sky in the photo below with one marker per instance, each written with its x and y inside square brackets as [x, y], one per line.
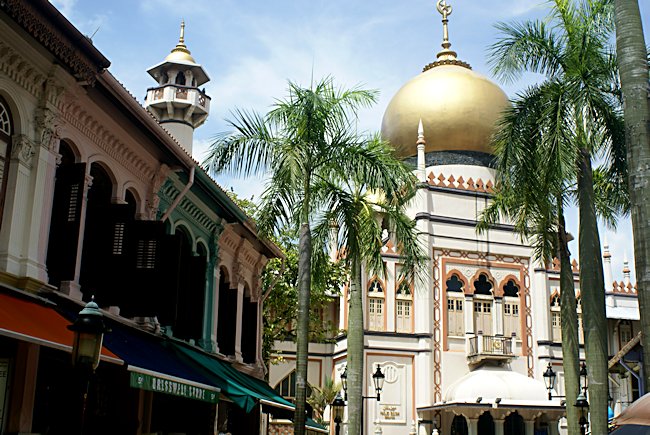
[250, 48]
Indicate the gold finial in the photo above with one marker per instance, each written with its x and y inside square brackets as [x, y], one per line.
[181, 52]
[181, 40]
[446, 56]
[445, 10]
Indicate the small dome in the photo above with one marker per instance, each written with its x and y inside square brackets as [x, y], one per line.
[180, 56]
[459, 109]
[492, 382]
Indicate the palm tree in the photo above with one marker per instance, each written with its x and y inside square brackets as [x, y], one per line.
[358, 211]
[306, 138]
[580, 121]
[533, 200]
[633, 66]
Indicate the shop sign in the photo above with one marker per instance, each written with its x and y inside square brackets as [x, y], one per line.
[175, 388]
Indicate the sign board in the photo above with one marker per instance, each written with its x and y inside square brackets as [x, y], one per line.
[168, 386]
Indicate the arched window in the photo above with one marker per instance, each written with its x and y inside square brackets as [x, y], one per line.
[403, 305]
[376, 305]
[287, 387]
[510, 309]
[556, 319]
[180, 78]
[483, 301]
[455, 301]
[6, 131]
[458, 426]
[514, 424]
[486, 424]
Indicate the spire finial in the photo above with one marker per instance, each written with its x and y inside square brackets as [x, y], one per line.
[445, 10]
[446, 56]
[420, 132]
[181, 40]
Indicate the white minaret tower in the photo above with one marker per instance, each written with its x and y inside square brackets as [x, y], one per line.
[607, 265]
[177, 102]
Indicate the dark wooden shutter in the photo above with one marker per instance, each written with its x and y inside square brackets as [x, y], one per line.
[144, 267]
[169, 280]
[64, 226]
[249, 331]
[191, 299]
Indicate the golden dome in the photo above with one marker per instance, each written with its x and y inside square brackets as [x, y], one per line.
[180, 53]
[459, 109]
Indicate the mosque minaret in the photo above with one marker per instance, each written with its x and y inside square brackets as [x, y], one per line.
[177, 102]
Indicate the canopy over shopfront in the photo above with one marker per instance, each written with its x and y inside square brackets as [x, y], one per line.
[34, 320]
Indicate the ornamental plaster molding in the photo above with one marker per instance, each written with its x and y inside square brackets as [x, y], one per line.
[153, 199]
[22, 149]
[187, 208]
[460, 183]
[24, 14]
[48, 129]
[77, 116]
[21, 71]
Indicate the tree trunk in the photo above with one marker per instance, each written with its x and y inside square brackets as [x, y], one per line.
[633, 70]
[592, 290]
[355, 351]
[568, 313]
[302, 334]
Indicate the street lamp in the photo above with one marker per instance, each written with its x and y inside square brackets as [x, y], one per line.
[378, 379]
[88, 331]
[549, 379]
[337, 411]
[581, 400]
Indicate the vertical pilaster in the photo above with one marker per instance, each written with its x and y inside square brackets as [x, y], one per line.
[238, 328]
[498, 426]
[469, 314]
[73, 288]
[472, 426]
[530, 427]
[497, 316]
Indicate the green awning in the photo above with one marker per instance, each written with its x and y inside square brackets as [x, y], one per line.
[311, 424]
[244, 390]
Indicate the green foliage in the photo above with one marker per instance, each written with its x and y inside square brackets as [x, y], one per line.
[280, 284]
[280, 281]
[321, 397]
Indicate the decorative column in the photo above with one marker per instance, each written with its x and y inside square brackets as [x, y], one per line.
[498, 426]
[73, 288]
[16, 221]
[530, 427]
[472, 426]
[553, 427]
[211, 307]
[497, 316]
[468, 314]
[238, 327]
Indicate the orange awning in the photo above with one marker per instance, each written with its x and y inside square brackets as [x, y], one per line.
[29, 321]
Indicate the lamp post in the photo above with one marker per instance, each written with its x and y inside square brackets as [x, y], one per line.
[378, 379]
[581, 400]
[88, 331]
[337, 411]
[549, 379]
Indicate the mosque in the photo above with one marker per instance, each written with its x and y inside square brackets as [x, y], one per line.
[464, 351]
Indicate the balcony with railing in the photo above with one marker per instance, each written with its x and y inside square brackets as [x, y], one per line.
[178, 94]
[489, 347]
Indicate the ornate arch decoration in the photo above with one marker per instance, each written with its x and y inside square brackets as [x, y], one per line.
[202, 248]
[500, 291]
[225, 272]
[98, 160]
[477, 276]
[130, 188]
[185, 227]
[371, 289]
[72, 146]
[465, 285]
[555, 296]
